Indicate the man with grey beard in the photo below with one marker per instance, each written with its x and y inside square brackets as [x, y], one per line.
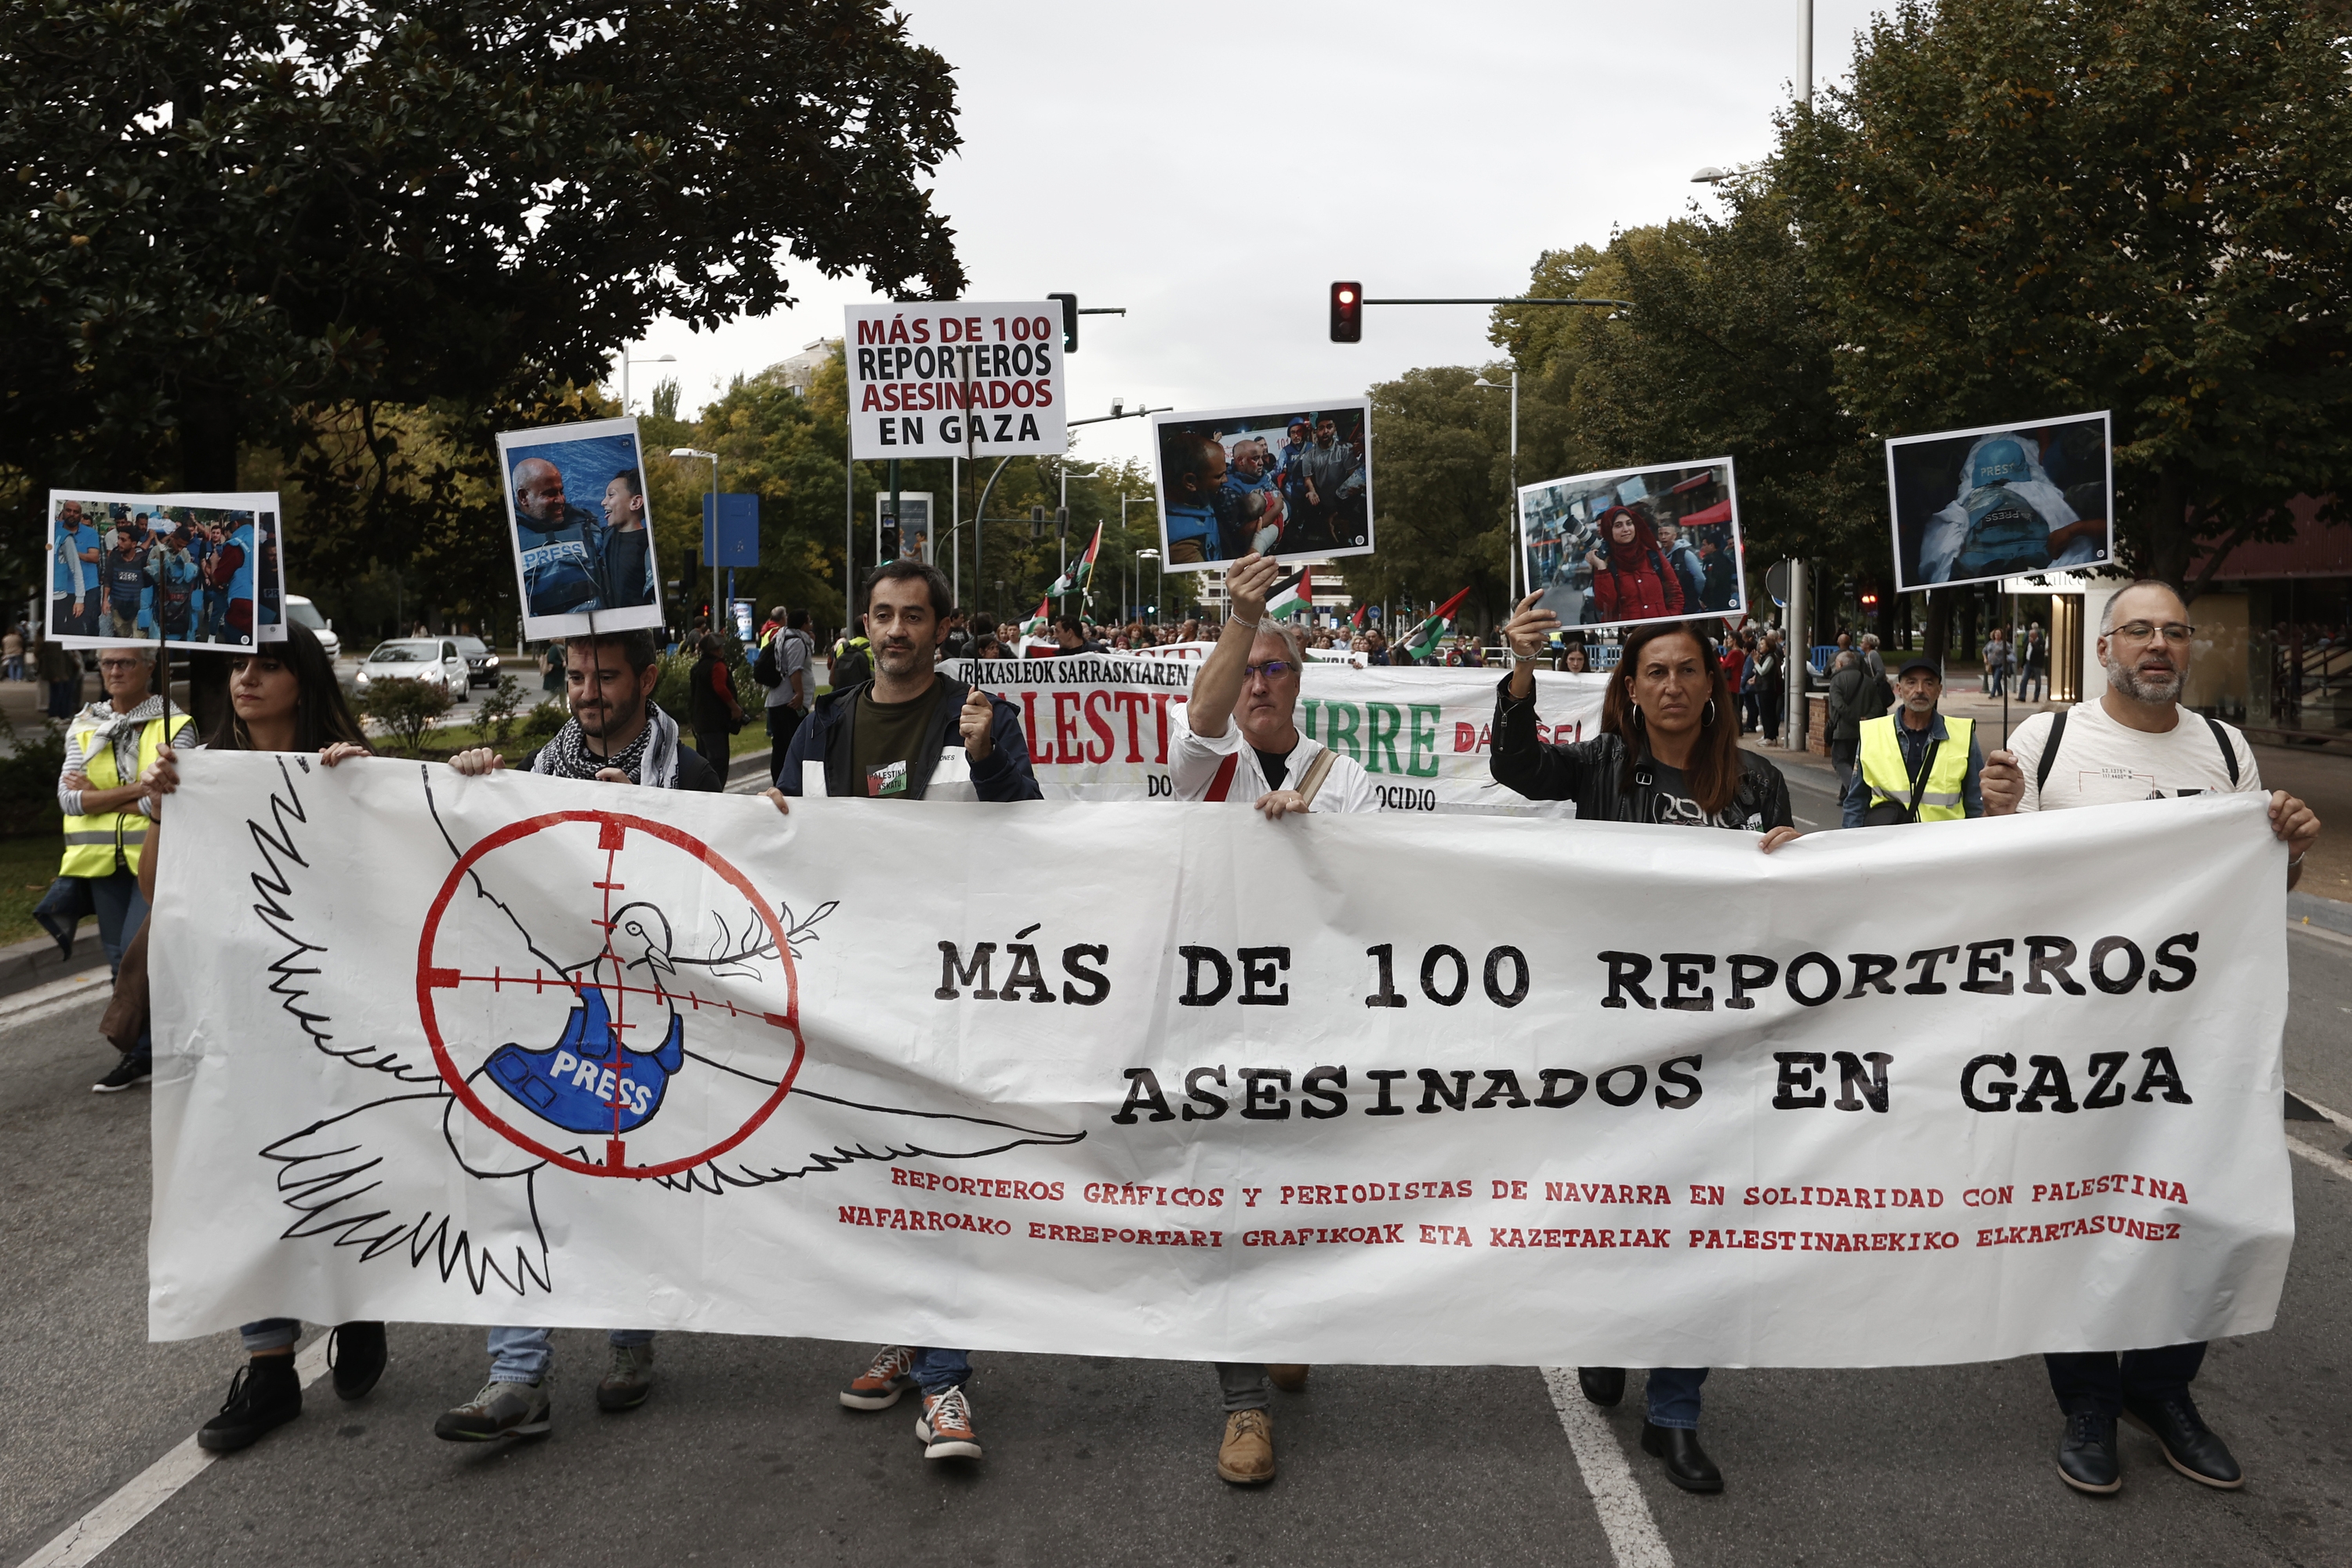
[2135, 744]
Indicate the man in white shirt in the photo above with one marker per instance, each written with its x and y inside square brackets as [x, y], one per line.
[788, 700]
[1240, 742]
[2135, 744]
[1240, 739]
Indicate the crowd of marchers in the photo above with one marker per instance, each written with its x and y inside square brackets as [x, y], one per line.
[1679, 697]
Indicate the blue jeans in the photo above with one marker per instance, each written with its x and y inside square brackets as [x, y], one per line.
[2034, 675]
[1673, 1395]
[2100, 1381]
[523, 1355]
[120, 912]
[269, 1334]
[936, 1371]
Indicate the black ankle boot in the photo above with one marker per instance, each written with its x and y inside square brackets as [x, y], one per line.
[1603, 1386]
[355, 1354]
[264, 1394]
[1687, 1465]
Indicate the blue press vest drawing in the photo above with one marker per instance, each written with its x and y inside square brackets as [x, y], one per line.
[574, 1083]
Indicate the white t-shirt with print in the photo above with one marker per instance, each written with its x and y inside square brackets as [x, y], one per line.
[2102, 762]
[1194, 760]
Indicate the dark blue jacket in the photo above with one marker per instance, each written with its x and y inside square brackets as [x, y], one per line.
[826, 736]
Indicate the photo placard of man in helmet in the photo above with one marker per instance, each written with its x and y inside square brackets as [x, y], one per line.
[1973, 506]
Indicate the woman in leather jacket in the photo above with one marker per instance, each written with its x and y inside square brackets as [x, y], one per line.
[1668, 753]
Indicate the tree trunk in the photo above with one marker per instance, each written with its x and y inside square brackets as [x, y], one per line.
[209, 429]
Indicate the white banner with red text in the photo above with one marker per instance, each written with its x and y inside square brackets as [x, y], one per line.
[1162, 1079]
[1098, 725]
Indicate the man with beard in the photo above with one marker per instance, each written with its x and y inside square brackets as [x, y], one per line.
[126, 585]
[2135, 744]
[893, 737]
[1250, 527]
[624, 557]
[616, 735]
[560, 543]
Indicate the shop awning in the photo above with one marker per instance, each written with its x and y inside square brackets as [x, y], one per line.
[1721, 513]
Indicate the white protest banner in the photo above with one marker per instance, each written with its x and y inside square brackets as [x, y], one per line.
[1334, 1089]
[955, 379]
[1098, 726]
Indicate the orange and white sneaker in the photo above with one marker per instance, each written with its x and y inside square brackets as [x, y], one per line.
[945, 1426]
[880, 1384]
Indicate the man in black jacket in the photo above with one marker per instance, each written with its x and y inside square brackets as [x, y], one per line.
[895, 738]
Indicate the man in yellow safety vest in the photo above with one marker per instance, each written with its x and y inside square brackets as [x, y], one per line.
[109, 745]
[1915, 765]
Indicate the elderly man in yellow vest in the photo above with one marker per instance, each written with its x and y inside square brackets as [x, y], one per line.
[1915, 764]
[109, 745]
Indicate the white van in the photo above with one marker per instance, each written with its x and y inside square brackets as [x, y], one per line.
[303, 611]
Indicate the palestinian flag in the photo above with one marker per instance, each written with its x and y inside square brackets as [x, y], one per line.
[1293, 595]
[1075, 579]
[1357, 621]
[1036, 624]
[1426, 636]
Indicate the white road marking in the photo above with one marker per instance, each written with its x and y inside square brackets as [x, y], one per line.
[1633, 1538]
[56, 996]
[2321, 1158]
[150, 1489]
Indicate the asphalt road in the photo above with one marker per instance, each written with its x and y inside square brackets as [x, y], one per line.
[742, 1455]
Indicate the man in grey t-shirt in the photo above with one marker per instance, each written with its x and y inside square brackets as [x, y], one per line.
[788, 700]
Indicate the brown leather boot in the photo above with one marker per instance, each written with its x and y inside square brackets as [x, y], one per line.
[1246, 1455]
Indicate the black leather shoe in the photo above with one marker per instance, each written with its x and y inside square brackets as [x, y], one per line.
[355, 1354]
[264, 1395]
[1604, 1385]
[1687, 1465]
[2086, 1457]
[2195, 1449]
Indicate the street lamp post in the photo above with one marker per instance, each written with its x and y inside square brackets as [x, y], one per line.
[625, 362]
[1511, 516]
[1160, 576]
[692, 455]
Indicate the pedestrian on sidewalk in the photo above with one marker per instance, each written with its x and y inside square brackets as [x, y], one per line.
[792, 649]
[1668, 753]
[711, 706]
[109, 746]
[285, 700]
[1770, 688]
[1915, 764]
[1996, 663]
[2136, 743]
[1843, 717]
[2034, 666]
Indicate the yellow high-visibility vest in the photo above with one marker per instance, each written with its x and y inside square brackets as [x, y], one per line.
[111, 841]
[1890, 781]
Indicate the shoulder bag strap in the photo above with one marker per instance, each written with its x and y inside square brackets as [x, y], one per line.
[1224, 779]
[2229, 751]
[1313, 778]
[2049, 752]
[1920, 777]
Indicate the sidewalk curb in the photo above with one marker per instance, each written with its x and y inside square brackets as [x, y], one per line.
[35, 960]
[2310, 909]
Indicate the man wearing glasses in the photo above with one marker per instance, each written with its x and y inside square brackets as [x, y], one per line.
[2135, 744]
[1239, 742]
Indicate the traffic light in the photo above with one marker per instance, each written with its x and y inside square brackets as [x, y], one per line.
[1869, 600]
[1036, 523]
[1347, 312]
[1069, 321]
[889, 539]
[1061, 523]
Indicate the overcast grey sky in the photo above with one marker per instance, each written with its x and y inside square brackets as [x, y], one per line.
[1214, 167]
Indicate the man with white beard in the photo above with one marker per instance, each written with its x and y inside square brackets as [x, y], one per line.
[2135, 744]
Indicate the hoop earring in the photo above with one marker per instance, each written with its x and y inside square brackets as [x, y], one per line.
[1637, 715]
[1707, 719]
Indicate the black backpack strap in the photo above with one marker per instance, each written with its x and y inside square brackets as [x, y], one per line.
[2229, 751]
[2050, 754]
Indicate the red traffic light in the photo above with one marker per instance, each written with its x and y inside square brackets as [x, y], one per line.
[1347, 312]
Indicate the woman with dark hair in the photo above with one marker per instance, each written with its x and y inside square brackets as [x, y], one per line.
[1631, 579]
[1668, 752]
[283, 696]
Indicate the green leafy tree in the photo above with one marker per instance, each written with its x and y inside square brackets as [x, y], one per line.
[2023, 209]
[1441, 493]
[272, 225]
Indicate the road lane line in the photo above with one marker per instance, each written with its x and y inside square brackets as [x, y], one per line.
[54, 997]
[2320, 1157]
[150, 1488]
[1633, 1538]
[2337, 1117]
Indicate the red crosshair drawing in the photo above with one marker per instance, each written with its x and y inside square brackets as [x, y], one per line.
[612, 829]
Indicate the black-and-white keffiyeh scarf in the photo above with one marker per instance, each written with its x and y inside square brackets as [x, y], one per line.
[650, 759]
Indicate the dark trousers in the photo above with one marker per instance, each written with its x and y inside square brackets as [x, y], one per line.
[120, 912]
[783, 723]
[714, 745]
[2100, 1381]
